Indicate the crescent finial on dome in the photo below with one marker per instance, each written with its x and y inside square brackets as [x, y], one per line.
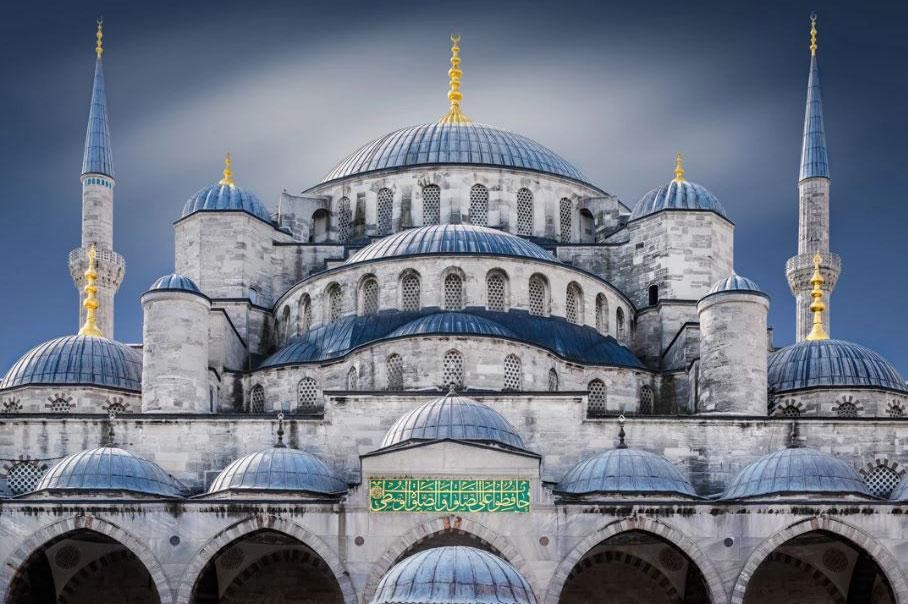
[99, 47]
[813, 34]
[454, 114]
[228, 172]
[679, 167]
[817, 332]
[91, 304]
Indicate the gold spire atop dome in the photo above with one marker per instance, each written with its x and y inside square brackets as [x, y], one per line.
[817, 307]
[91, 304]
[679, 167]
[99, 48]
[454, 114]
[228, 172]
[813, 34]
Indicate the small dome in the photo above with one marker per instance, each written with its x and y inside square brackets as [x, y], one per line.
[452, 323]
[451, 239]
[465, 144]
[279, 469]
[626, 471]
[219, 197]
[454, 417]
[109, 469]
[796, 471]
[78, 360]
[900, 492]
[678, 195]
[177, 282]
[735, 283]
[453, 574]
[830, 363]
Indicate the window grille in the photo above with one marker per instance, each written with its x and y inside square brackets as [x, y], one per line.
[60, 405]
[565, 212]
[573, 304]
[23, 477]
[453, 292]
[431, 204]
[597, 398]
[495, 286]
[847, 409]
[453, 370]
[305, 314]
[882, 480]
[410, 292]
[385, 207]
[307, 396]
[395, 368]
[602, 314]
[370, 296]
[524, 212]
[257, 399]
[479, 205]
[344, 220]
[512, 373]
[553, 380]
[537, 296]
[352, 379]
[335, 302]
[646, 400]
[791, 411]
[895, 411]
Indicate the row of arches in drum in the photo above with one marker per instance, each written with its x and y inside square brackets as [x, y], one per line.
[634, 566]
[476, 212]
[409, 298]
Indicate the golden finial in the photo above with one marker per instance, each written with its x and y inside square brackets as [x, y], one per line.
[813, 34]
[99, 49]
[91, 304]
[228, 172]
[454, 114]
[817, 307]
[679, 167]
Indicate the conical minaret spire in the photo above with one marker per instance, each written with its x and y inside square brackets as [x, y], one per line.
[813, 220]
[97, 206]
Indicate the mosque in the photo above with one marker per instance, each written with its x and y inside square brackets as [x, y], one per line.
[455, 371]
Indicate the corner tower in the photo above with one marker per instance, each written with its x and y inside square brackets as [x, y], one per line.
[813, 218]
[97, 206]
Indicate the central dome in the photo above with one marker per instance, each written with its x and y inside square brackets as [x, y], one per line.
[445, 143]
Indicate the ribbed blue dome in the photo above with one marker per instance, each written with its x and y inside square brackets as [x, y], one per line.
[683, 195]
[471, 144]
[456, 418]
[734, 283]
[175, 281]
[794, 471]
[78, 360]
[109, 469]
[450, 239]
[453, 323]
[279, 469]
[626, 471]
[221, 197]
[830, 363]
[453, 574]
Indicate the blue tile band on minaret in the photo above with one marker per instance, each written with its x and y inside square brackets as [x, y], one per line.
[814, 157]
[98, 158]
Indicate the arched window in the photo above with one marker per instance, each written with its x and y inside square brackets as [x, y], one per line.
[653, 295]
[318, 229]
[60, 404]
[513, 374]
[790, 410]
[344, 220]
[479, 205]
[352, 379]
[283, 329]
[602, 314]
[647, 400]
[305, 314]
[496, 291]
[307, 396]
[410, 295]
[257, 399]
[895, 410]
[587, 227]
[573, 304]
[431, 204]
[384, 208]
[395, 369]
[565, 211]
[453, 370]
[619, 324]
[553, 380]
[368, 292]
[335, 302]
[597, 398]
[453, 292]
[524, 212]
[847, 409]
[539, 296]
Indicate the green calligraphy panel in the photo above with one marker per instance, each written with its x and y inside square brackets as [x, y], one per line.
[448, 495]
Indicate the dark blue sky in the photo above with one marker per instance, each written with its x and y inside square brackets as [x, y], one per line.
[292, 87]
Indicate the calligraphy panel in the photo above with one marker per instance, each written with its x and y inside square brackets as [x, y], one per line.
[448, 495]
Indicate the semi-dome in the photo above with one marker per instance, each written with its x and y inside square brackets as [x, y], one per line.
[795, 471]
[625, 471]
[224, 195]
[450, 322]
[453, 144]
[450, 239]
[175, 281]
[279, 468]
[830, 364]
[453, 574]
[78, 360]
[109, 469]
[453, 417]
[735, 283]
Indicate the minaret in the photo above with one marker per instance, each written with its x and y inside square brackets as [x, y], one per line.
[97, 207]
[813, 220]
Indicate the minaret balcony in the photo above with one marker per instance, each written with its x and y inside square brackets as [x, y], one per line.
[111, 266]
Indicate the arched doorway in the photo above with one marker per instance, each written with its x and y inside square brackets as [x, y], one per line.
[450, 536]
[82, 567]
[266, 566]
[819, 566]
[635, 567]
